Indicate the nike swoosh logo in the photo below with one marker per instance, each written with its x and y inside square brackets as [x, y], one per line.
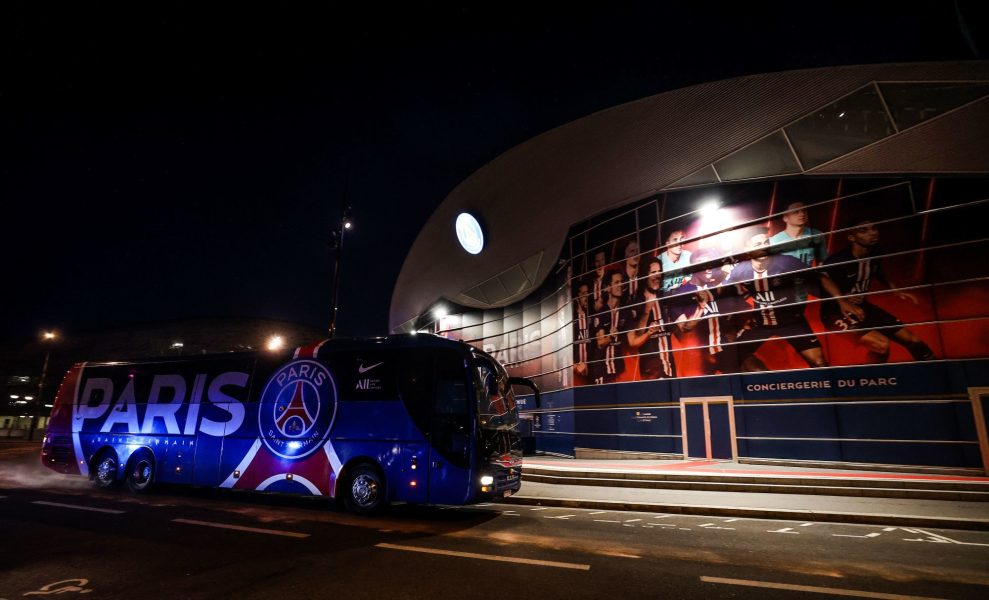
[362, 369]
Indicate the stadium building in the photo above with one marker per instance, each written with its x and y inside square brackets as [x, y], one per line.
[786, 268]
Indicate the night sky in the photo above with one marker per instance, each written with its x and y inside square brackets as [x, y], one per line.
[159, 165]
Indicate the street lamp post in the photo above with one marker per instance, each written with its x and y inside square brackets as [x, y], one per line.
[336, 242]
[47, 338]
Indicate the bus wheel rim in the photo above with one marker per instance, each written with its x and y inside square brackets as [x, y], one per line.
[104, 472]
[142, 473]
[365, 490]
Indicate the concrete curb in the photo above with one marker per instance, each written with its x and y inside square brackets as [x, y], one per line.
[775, 486]
[759, 513]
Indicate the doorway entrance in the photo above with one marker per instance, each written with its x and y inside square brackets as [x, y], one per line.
[980, 412]
[708, 428]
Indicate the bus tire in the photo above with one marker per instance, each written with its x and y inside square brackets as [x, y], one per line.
[105, 470]
[141, 472]
[365, 491]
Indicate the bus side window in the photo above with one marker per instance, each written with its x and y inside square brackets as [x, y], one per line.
[416, 386]
[451, 389]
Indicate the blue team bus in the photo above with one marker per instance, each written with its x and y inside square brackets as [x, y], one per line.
[407, 418]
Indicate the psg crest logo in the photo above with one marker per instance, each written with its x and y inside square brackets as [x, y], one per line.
[297, 409]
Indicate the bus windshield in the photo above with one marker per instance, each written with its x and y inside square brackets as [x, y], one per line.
[496, 406]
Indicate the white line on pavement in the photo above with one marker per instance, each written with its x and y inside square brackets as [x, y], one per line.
[812, 589]
[866, 536]
[290, 534]
[558, 516]
[605, 521]
[598, 512]
[784, 530]
[540, 508]
[78, 507]
[524, 561]
[941, 538]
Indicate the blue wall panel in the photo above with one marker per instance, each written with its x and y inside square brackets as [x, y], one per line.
[811, 403]
[788, 449]
[816, 420]
[903, 421]
[943, 455]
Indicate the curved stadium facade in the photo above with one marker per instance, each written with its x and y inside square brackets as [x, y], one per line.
[787, 267]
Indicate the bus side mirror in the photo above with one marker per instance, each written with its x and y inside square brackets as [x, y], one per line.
[525, 382]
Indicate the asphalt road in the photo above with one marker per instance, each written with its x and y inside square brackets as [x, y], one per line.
[62, 537]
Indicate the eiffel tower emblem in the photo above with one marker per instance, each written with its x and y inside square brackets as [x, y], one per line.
[296, 409]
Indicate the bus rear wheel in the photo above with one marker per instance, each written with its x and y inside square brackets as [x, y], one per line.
[140, 473]
[365, 492]
[105, 470]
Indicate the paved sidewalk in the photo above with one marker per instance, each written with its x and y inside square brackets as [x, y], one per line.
[794, 504]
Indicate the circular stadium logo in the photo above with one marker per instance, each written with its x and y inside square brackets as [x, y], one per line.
[297, 408]
[469, 233]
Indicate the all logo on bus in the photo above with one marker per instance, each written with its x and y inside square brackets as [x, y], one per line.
[297, 409]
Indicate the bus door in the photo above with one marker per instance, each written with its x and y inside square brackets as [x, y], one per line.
[450, 432]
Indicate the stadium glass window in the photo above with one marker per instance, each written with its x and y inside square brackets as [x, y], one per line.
[769, 156]
[848, 124]
[913, 103]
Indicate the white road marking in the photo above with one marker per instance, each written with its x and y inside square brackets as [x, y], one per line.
[713, 526]
[605, 521]
[633, 520]
[806, 524]
[888, 529]
[109, 511]
[662, 516]
[936, 538]
[524, 561]
[540, 508]
[784, 530]
[558, 516]
[812, 589]
[291, 534]
[598, 512]
[730, 520]
[866, 536]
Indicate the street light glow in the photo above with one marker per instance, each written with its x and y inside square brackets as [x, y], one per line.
[176, 345]
[439, 313]
[275, 342]
[48, 335]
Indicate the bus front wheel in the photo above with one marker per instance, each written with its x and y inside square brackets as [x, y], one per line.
[365, 493]
[105, 471]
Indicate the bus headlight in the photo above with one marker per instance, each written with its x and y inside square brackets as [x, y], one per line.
[487, 479]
